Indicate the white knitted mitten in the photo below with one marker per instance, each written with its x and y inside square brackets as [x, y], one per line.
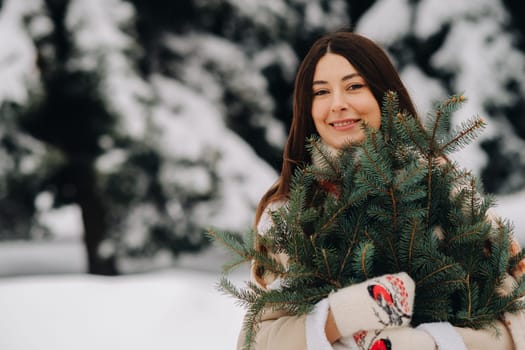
[444, 334]
[392, 338]
[377, 303]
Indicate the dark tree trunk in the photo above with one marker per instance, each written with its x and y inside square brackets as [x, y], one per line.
[94, 219]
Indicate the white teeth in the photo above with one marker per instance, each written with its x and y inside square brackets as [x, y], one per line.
[343, 123]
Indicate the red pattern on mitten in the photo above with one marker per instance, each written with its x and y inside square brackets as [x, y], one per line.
[393, 339]
[377, 303]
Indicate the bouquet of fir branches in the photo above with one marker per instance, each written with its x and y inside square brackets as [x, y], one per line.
[391, 203]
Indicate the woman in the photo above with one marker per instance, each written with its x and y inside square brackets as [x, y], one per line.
[338, 87]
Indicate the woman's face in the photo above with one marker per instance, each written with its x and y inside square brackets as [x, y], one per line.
[341, 102]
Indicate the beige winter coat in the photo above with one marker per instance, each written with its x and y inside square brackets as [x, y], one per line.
[277, 329]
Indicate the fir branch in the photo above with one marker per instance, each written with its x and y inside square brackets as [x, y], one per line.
[367, 249]
[327, 266]
[317, 149]
[390, 107]
[500, 250]
[417, 137]
[469, 233]
[268, 263]
[429, 189]
[365, 181]
[438, 118]
[412, 241]
[245, 297]
[515, 301]
[514, 260]
[372, 150]
[436, 272]
[349, 251]
[448, 285]
[391, 248]
[472, 197]
[466, 133]
[394, 209]
[409, 176]
[347, 205]
[440, 123]
[251, 324]
[235, 245]
[279, 300]
[469, 296]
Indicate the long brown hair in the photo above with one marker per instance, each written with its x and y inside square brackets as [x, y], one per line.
[373, 65]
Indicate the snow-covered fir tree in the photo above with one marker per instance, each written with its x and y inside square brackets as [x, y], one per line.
[457, 46]
[194, 101]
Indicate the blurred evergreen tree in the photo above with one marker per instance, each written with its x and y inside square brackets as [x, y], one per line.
[433, 46]
[504, 171]
[71, 116]
[268, 39]
[18, 184]
[239, 58]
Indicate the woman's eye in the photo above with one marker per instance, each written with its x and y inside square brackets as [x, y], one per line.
[355, 86]
[320, 92]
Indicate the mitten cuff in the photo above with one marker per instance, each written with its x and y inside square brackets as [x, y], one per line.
[444, 335]
[315, 327]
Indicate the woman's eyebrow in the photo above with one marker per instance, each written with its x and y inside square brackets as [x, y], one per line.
[345, 78]
[319, 82]
[350, 76]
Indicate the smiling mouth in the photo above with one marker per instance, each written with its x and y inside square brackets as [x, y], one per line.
[344, 123]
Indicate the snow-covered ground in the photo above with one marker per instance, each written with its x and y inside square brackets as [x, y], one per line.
[172, 310]
[179, 308]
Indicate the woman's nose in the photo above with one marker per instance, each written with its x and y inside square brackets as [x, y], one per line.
[338, 102]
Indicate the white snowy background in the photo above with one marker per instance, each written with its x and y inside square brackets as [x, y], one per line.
[46, 302]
